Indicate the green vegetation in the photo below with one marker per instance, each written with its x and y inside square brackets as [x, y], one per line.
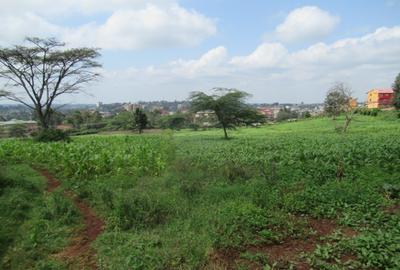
[35, 225]
[396, 89]
[229, 107]
[178, 201]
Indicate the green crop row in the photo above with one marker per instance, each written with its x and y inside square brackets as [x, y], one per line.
[93, 156]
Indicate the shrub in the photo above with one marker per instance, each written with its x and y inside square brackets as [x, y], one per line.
[137, 210]
[51, 135]
[18, 131]
[392, 191]
[241, 223]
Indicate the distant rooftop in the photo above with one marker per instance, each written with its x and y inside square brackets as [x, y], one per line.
[383, 90]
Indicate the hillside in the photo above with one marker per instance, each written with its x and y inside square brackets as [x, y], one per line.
[285, 196]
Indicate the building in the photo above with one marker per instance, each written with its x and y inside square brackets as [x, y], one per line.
[380, 98]
[353, 103]
[267, 112]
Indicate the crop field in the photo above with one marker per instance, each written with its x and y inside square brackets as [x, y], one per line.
[285, 196]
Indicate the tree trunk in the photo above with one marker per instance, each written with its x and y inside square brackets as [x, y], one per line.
[42, 119]
[225, 133]
[346, 124]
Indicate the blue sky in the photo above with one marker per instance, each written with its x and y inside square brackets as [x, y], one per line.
[279, 51]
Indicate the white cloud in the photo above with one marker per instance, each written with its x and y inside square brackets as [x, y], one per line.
[160, 24]
[364, 62]
[15, 28]
[154, 27]
[306, 23]
[210, 63]
[379, 47]
[265, 55]
[69, 7]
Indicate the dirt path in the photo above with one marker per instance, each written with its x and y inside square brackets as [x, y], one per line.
[79, 252]
[290, 250]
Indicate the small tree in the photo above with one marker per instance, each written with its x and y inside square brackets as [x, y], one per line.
[307, 114]
[140, 120]
[228, 104]
[75, 119]
[286, 114]
[45, 70]
[396, 89]
[338, 101]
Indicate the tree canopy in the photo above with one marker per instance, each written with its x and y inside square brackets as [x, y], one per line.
[228, 105]
[396, 89]
[337, 99]
[140, 120]
[38, 73]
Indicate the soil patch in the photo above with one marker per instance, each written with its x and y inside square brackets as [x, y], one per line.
[52, 183]
[285, 253]
[79, 251]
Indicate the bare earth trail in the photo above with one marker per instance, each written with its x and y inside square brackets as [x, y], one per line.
[79, 252]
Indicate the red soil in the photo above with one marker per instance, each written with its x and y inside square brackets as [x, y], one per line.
[52, 183]
[282, 253]
[79, 251]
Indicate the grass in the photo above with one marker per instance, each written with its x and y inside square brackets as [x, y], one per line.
[35, 225]
[211, 195]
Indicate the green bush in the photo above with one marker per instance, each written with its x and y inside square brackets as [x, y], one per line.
[18, 131]
[120, 250]
[241, 223]
[138, 210]
[51, 135]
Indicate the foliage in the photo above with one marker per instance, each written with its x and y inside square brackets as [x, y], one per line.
[140, 120]
[51, 135]
[286, 114]
[307, 114]
[122, 121]
[46, 70]
[180, 202]
[93, 156]
[34, 226]
[241, 223]
[228, 105]
[336, 99]
[18, 131]
[396, 89]
[175, 121]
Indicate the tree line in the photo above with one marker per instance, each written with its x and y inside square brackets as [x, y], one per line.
[40, 71]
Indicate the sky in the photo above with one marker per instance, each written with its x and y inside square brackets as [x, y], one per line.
[278, 51]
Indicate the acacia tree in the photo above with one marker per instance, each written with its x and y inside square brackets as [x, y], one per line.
[44, 70]
[229, 107]
[396, 89]
[338, 101]
[140, 120]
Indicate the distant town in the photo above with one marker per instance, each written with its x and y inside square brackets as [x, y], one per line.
[270, 110]
[93, 118]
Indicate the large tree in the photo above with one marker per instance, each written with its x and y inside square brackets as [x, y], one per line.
[396, 89]
[229, 107]
[43, 69]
